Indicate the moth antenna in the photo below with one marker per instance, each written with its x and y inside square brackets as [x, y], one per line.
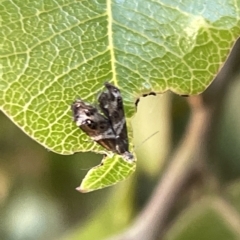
[153, 134]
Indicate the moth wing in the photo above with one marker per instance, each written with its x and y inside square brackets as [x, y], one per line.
[94, 124]
[111, 104]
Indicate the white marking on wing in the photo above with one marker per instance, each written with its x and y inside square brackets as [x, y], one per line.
[81, 118]
[114, 104]
[119, 126]
[116, 94]
[105, 135]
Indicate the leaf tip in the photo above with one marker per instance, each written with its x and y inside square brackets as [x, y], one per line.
[82, 190]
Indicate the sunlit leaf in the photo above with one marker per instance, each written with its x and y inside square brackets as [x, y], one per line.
[51, 52]
[54, 51]
[112, 170]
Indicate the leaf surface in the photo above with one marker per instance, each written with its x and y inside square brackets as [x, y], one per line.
[55, 51]
[111, 171]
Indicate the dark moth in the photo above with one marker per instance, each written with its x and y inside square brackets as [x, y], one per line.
[108, 126]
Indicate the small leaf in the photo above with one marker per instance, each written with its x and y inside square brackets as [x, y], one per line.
[111, 171]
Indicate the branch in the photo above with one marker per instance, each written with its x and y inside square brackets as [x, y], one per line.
[189, 155]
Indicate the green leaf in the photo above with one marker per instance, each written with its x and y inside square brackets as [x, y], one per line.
[112, 170]
[54, 51]
[51, 52]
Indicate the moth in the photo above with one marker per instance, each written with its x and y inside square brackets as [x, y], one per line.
[106, 124]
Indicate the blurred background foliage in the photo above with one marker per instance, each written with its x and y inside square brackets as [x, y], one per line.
[37, 187]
